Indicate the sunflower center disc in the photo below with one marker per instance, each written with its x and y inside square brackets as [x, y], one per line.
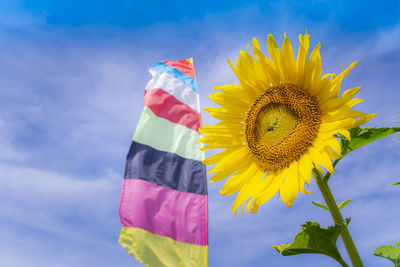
[281, 125]
[274, 123]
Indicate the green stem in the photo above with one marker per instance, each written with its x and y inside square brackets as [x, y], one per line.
[338, 218]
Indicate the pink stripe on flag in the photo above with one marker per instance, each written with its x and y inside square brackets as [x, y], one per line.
[166, 106]
[179, 215]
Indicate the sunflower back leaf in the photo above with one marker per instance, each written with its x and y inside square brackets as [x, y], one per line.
[398, 183]
[361, 136]
[315, 240]
[389, 252]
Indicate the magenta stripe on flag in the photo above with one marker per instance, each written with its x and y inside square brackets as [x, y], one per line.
[179, 215]
[166, 106]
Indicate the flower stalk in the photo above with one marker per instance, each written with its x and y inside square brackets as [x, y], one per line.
[338, 218]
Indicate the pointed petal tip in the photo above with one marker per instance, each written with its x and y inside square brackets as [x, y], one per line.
[254, 208]
[205, 161]
[247, 48]
[270, 38]
[223, 192]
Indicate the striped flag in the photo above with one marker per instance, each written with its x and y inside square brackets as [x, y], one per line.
[163, 206]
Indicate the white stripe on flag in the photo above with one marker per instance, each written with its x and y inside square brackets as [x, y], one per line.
[174, 87]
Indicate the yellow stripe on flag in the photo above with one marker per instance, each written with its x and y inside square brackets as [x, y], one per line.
[158, 251]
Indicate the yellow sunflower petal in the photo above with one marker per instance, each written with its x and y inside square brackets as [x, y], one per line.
[274, 52]
[327, 135]
[315, 71]
[302, 60]
[219, 176]
[336, 82]
[235, 90]
[240, 178]
[332, 153]
[363, 119]
[217, 157]
[334, 103]
[223, 141]
[248, 190]
[237, 157]
[354, 102]
[266, 65]
[338, 114]
[290, 187]
[305, 167]
[321, 158]
[230, 101]
[332, 142]
[254, 72]
[269, 188]
[229, 130]
[303, 190]
[303, 180]
[288, 62]
[329, 126]
[244, 81]
[224, 114]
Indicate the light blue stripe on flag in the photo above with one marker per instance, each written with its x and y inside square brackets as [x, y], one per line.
[161, 67]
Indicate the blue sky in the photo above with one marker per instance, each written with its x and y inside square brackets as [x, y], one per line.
[72, 78]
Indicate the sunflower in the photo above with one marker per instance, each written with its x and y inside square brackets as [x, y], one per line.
[278, 124]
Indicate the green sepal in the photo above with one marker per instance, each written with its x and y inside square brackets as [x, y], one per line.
[398, 183]
[389, 252]
[319, 204]
[361, 136]
[343, 204]
[315, 240]
[340, 205]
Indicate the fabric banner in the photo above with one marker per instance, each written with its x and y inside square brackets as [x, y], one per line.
[163, 206]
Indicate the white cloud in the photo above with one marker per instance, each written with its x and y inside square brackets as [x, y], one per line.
[85, 97]
[41, 198]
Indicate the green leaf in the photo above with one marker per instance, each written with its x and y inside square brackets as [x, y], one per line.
[389, 252]
[319, 204]
[315, 240]
[361, 136]
[340, 204]
[344, 203]
[398, 183]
